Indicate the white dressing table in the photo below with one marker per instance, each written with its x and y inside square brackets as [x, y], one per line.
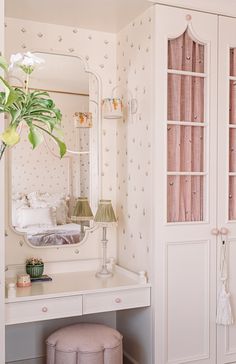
[76, 293]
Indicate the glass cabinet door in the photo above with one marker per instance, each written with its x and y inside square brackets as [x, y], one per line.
[186, 126]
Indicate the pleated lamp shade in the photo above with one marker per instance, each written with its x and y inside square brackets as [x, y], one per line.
[105, 212]
[82, 210]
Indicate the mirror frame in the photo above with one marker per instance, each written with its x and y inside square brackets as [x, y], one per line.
[94, 195]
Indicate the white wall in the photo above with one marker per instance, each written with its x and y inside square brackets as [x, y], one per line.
[134, 172]
[134, 134]
[2, 194]
[99, 51]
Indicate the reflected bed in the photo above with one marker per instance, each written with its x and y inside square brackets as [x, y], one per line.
[53, 236]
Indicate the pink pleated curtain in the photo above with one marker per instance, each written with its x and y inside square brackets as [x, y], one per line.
[232, 137]
[185, 144]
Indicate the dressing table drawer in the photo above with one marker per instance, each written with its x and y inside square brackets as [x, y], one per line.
[46, 309]
[116, 300]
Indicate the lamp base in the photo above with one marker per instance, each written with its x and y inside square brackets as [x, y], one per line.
[104, 273]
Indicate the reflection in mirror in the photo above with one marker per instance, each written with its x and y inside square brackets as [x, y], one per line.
[45, 188]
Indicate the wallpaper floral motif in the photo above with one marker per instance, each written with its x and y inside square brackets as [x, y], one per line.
[134, 135]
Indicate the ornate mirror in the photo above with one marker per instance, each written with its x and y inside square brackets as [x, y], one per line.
[45, 188]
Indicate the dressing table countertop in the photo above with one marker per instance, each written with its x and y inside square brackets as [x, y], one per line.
[76, 293]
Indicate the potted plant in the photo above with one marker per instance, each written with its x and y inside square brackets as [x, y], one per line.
[33, 109]
[34, 267]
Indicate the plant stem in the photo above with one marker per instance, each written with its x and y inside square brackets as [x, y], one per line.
[27, 83]
[2, 149]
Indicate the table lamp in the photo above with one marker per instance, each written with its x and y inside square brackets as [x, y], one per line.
[82, 212]
[104, 216]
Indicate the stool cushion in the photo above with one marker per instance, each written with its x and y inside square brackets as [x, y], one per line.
[84, 344]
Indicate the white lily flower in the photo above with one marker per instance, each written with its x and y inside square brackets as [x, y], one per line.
[15, 59]
[26, 61]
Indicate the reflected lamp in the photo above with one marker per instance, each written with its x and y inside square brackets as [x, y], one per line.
[82, 213]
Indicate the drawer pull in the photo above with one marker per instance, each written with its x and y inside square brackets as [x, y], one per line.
[118, 300]
[45, 309]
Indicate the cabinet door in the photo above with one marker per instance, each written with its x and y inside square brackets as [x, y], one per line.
[227, 173]
[185, 185]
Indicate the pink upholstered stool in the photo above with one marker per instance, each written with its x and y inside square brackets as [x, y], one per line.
[85, 344]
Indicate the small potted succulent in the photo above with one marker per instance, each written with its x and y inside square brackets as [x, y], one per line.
[34, 267]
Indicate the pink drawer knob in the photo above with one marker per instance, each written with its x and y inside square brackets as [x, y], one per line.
[45, 309]
[118, 300]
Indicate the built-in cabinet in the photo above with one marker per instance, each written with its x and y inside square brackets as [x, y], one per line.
[195, 179]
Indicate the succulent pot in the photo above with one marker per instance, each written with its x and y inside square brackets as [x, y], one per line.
[35, 271]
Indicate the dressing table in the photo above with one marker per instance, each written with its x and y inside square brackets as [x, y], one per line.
[75, 294]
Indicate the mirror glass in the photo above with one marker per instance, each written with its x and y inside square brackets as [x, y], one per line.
[44, 187]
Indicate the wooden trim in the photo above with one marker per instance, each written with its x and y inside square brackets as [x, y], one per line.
[56, 91]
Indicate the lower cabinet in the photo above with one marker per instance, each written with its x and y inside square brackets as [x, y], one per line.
[113, 301]
[43, 309]
[40, 309]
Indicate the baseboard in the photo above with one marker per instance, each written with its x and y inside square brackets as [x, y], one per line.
[128, 359]
[28, 361]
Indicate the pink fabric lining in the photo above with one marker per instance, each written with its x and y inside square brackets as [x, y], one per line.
[185, 143]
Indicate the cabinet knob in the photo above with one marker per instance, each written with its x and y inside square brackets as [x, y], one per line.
[118, 300]
[224, 231]
[215, 231]
[45, 309]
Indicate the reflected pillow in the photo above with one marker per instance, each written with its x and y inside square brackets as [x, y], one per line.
[18, 201]
[40, 216]
[57, 200]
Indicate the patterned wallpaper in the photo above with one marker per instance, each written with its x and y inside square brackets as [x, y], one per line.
[99, 51]
[134, 135]
[122, 60]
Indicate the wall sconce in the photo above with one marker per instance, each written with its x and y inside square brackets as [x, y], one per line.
[113, 108]
[82, 213]
[83, 119]
[104, 216]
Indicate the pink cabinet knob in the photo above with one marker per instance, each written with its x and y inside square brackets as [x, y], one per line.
[215, 231]
[224, 231]
[118, 300]
[45, 309]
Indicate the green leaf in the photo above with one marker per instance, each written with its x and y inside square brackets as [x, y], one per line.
[10, 95]
[14, 115]
[58, 114]
[35, 137]
[3, 64]
[61, 144]
[10, 137]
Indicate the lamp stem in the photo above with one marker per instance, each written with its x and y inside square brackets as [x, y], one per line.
[104, 248]
[104, 272]
[104, 233]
